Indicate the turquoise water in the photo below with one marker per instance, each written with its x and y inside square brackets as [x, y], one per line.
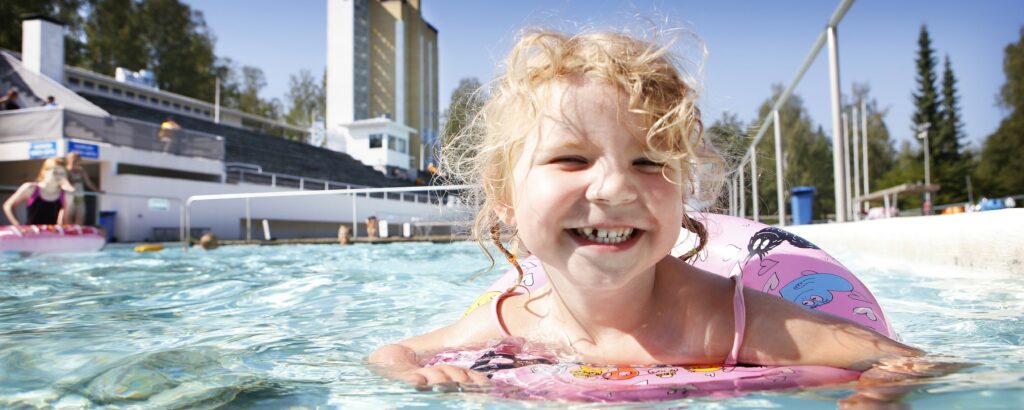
[291, 326]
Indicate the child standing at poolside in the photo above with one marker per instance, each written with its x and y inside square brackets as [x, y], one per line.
[585, 155]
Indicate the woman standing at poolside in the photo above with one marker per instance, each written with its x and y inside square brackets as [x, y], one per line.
[44, 198]
[79, 178]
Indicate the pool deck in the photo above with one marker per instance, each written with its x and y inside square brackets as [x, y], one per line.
[990, 241]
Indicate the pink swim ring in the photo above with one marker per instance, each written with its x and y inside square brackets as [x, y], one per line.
[768, 259]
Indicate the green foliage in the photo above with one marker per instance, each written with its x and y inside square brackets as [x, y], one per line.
[926, 99]
[951, 161]
[115, 39]
[66, 11]
[1000, 170]
[306, 99]
[467, 100]
[807, 160]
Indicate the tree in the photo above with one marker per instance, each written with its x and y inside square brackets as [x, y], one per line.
[926, 102]
[467, 100]
[114, 38]
[807, 159]
[180, 48]
[951, 161]
[881, 155]
[306, 99]
[68, 12]
[1000, 171]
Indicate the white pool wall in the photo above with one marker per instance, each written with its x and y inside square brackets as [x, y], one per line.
[990, 241]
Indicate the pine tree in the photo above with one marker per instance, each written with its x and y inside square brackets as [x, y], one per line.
[950, 162]
[926, 100]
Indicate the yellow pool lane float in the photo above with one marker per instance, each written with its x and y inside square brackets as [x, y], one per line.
[149, 248]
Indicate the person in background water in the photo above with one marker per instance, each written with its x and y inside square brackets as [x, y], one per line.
[168, 130]
[51, 102]
[9, 101]
[371, 227]
[343, 233]
[78, 178]
[44, 198]
[208, 241]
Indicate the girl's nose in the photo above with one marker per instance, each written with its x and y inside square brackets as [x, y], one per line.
[611, 186]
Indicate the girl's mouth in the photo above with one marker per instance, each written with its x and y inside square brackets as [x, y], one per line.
[605, 236]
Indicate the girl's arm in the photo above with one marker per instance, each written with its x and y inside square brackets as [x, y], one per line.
[19, 196]
[781, 333]
[401, 361]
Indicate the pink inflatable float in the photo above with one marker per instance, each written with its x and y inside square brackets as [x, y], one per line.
[51, 238]
[769, 259]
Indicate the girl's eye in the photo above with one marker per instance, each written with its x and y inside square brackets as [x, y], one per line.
[569, 160]
[648, 164]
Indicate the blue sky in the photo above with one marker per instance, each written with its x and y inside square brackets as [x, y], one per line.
[751, 45]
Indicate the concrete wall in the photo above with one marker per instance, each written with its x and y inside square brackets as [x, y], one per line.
[990, 241]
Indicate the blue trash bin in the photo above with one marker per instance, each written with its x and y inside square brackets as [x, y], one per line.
[107, 219]
[801, 203]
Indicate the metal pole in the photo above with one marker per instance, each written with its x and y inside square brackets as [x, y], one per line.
[743, 194]
[248, 220]
[856, 159]
[779, 185]
[837, 126]
[753, 183]
[187, 231]
[216, 102]
[927, 173]
[846, 169]
[864, 129]
[355, 222]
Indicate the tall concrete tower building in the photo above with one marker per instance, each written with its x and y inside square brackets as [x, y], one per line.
[382, 99]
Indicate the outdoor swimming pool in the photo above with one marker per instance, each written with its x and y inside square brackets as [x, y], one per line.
[276, 327]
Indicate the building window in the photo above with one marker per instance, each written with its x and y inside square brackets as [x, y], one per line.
[165, 103]
[142, 98]
[89, 84]
[376, 141]
[104, 88]
[396, 144]
[177, 106]
[188, 109]
[117, 91]
[129, 94]
[73, 81]
[154, 100]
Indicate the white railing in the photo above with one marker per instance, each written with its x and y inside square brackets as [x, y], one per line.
[736, 184]
[395, 193]
[277, 179]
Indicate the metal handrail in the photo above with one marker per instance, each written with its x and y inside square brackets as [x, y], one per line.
[771, 118]
[353, 192]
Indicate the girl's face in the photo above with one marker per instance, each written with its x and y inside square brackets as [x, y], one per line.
[54, 175]
[586, 199]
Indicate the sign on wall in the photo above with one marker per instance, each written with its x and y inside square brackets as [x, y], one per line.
[42, 149]
[91, 151]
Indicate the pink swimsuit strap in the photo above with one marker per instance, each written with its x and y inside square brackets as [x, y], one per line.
[738, 306]
[740, 316]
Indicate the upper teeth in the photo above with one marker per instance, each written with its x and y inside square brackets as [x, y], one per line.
[613, 235]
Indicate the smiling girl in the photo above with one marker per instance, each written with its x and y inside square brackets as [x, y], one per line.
[585, 154]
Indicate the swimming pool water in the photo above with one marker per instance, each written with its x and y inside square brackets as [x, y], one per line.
[291, 326]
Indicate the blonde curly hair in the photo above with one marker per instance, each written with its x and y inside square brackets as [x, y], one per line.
[484, 152]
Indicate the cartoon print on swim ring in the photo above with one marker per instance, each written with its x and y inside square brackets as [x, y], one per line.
[814, 289]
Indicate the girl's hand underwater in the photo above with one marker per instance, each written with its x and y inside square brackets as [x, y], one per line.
[443, 375]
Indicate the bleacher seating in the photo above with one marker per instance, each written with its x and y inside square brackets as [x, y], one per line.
[273, 154]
